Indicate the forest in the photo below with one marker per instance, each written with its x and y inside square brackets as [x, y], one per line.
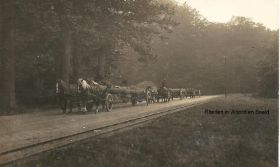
[127, 42]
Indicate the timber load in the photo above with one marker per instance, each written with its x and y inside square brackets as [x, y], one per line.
[126, 94]
[88, 93]
[126, 90]
[178, 93]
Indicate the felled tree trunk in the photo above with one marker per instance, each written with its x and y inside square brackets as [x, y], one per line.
[8, 56]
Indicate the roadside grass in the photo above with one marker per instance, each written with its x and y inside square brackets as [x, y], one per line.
[188, 138]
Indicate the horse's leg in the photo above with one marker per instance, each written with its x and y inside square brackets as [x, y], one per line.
[63, 104]
[60, 103]
[70, 105]
[63, 107]
[79, 104]
[84, 108]
[103, 105]
[96, 105]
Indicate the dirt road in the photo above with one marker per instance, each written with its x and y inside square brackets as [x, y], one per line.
[19, 131]
[190, 138]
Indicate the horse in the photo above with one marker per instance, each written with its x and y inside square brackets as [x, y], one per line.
[91, 90]
[190, 92]
[67, 94]
[163, 93]
[177, 93]
[197, 92]
[150, 95]
[182, 93]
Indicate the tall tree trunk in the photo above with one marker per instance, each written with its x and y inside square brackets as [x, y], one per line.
[101, 67]
[76, 60]
[58, 63]
[1, 52]
[66, 56]
[8, 57]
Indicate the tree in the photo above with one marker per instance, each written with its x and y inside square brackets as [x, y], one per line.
[65, 39]
[8, 56]
[193, 54]
[268, 71]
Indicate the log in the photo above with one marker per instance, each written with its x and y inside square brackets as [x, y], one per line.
[126, 90]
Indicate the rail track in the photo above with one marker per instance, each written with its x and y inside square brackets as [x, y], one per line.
[14, 155]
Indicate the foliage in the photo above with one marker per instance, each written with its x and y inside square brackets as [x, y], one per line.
[160, 39]
[214, 56]
[268, 71]
[97, 28]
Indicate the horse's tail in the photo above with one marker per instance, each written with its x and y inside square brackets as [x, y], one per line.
[57, 88]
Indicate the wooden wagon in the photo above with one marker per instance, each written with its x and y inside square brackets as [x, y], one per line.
[129, 94]
[178, 93]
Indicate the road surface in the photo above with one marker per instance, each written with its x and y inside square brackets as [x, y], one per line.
[18, 131]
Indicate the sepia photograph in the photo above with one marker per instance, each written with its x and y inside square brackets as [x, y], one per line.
[139, 83]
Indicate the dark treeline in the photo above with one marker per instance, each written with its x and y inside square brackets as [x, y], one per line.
[42, 40]
[239, 56]
[48, 39]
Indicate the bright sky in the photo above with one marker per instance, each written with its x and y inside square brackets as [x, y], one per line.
[263, 11]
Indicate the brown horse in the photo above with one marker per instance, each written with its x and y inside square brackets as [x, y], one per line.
[164, 94]
[197, 92]
[182, 93]
[92, 91]
[67, 95]
[190, 92]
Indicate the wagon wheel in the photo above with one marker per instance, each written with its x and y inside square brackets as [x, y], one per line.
[109, 102]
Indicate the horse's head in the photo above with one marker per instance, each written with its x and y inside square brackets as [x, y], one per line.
[148, 88]
[83, 85]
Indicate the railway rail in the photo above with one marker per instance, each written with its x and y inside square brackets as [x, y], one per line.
[13, 155]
